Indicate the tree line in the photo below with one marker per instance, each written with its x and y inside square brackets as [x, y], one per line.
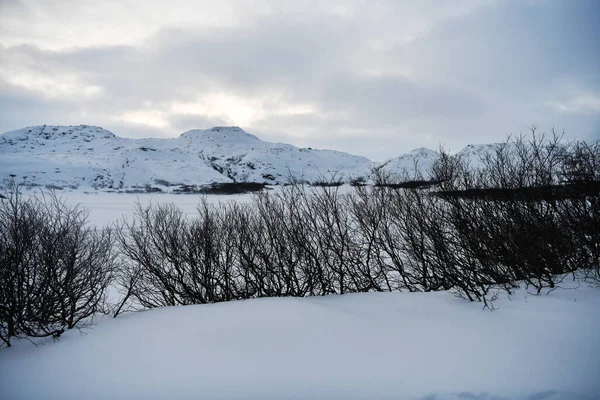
[527, 211]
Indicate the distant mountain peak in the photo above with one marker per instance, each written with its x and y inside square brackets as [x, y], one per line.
[56, 133]
[226, 129]
[422, 151]
[219, 131]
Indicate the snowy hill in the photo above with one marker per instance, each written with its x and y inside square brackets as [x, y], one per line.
[412, 165]
[245, 158]
[356, 346]
[91, 157]
[88, 156]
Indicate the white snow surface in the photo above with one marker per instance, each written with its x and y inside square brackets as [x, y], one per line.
[92, 157]
[357, 346]
[412, 165]
[89, 157]
[107, 208]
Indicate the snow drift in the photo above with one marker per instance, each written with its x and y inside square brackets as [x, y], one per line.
[359, 346]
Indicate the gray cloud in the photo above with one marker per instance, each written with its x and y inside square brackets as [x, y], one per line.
[376, 78]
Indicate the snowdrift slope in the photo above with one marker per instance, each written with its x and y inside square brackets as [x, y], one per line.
[360, 346]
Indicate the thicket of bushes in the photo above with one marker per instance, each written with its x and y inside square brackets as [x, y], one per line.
[528, 211]
[54, 269]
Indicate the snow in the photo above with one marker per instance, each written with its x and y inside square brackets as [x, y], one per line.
[91, 157]
[107, 208]
[412, 165]
[88, 157]
[358, 346]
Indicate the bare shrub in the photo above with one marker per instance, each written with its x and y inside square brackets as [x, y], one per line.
[514, 214]
[527, 211]
[54, 269]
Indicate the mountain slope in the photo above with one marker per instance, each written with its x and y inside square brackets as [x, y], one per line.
[88, 156]
[245, 158]
[412, 165]
[91, 157]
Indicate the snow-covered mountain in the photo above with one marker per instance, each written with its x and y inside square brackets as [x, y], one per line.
[412, 165]
[91, 157]
[242, 157]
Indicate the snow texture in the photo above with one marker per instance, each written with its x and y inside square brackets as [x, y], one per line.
[91, 158]
[357, 346]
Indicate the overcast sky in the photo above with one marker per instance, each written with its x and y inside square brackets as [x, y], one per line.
[375, 78]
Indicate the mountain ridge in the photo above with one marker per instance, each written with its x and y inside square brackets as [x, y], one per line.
[84, 156]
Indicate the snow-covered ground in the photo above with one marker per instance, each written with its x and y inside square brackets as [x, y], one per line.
[357, 346]
[106, 208]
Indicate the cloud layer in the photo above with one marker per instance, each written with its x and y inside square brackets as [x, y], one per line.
[374, 78]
